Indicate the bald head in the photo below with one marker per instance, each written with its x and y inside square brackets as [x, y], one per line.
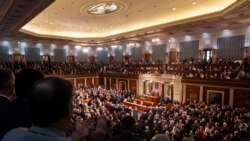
[160, 137]
[50, 99]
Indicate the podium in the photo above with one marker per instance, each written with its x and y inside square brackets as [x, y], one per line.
[153, 99]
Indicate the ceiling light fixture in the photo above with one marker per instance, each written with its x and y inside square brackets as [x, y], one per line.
[194, 3]
[85, 50]
[114, 46]
[174, 9]
[154, 40]
[77, 47]
[131, 44]
[99, 49]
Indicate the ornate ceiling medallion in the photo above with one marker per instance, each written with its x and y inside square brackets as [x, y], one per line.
[103, 8]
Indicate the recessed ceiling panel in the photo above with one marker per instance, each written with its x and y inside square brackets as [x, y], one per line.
[75, 18]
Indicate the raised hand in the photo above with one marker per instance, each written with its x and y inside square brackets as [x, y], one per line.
[82, 129]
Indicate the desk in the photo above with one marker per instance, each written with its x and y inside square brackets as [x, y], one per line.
[139, 107]
[152, 99]
[144, 102]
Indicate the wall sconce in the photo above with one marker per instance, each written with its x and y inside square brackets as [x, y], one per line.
[155, 40]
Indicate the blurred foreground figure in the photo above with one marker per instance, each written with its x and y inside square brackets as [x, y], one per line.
[7, 86]
[17, 113]
[51, 111]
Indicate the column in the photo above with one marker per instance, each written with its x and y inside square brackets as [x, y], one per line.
[85, 81]
[128, 88]
[172, 91]
[109, 83]
[74, 82]
[183, 93]
[153, 86]
[231, 96]
[165, 92]
[137, 88]
[201, 94]
[146, 87]
[105, 82]
[116, 83]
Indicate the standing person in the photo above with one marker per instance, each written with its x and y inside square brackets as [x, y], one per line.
[7, 86]
[51, 110]
[17, 114]
[128, 125]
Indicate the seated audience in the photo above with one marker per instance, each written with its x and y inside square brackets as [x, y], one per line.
[128, 125]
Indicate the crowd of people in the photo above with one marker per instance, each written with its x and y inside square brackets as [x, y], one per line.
[202, 70]
[51, 109]
[188, 121]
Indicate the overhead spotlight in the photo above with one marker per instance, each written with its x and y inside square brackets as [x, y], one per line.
[194, 3]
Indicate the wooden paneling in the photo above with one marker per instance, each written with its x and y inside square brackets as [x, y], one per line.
[101, 81]
[192, 92]
[242, 98]
[80, 80]
[224, 90]
[147, 57]
[89, 81]
[92, 59]
[152, 99]
[71, 58]
[218, 82]
[108, 83]
[113, 83]
[17, 58]
[122, 76]
[172, 57]
[140, 108]
[133, 86]
[122, 84]
[96, 81]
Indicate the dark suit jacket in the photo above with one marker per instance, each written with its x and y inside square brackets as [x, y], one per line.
[14, 114]
[3, 101]
[127, 136]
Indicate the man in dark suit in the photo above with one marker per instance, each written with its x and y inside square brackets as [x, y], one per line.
[128, 125]
[17, 114]
[7, 86]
